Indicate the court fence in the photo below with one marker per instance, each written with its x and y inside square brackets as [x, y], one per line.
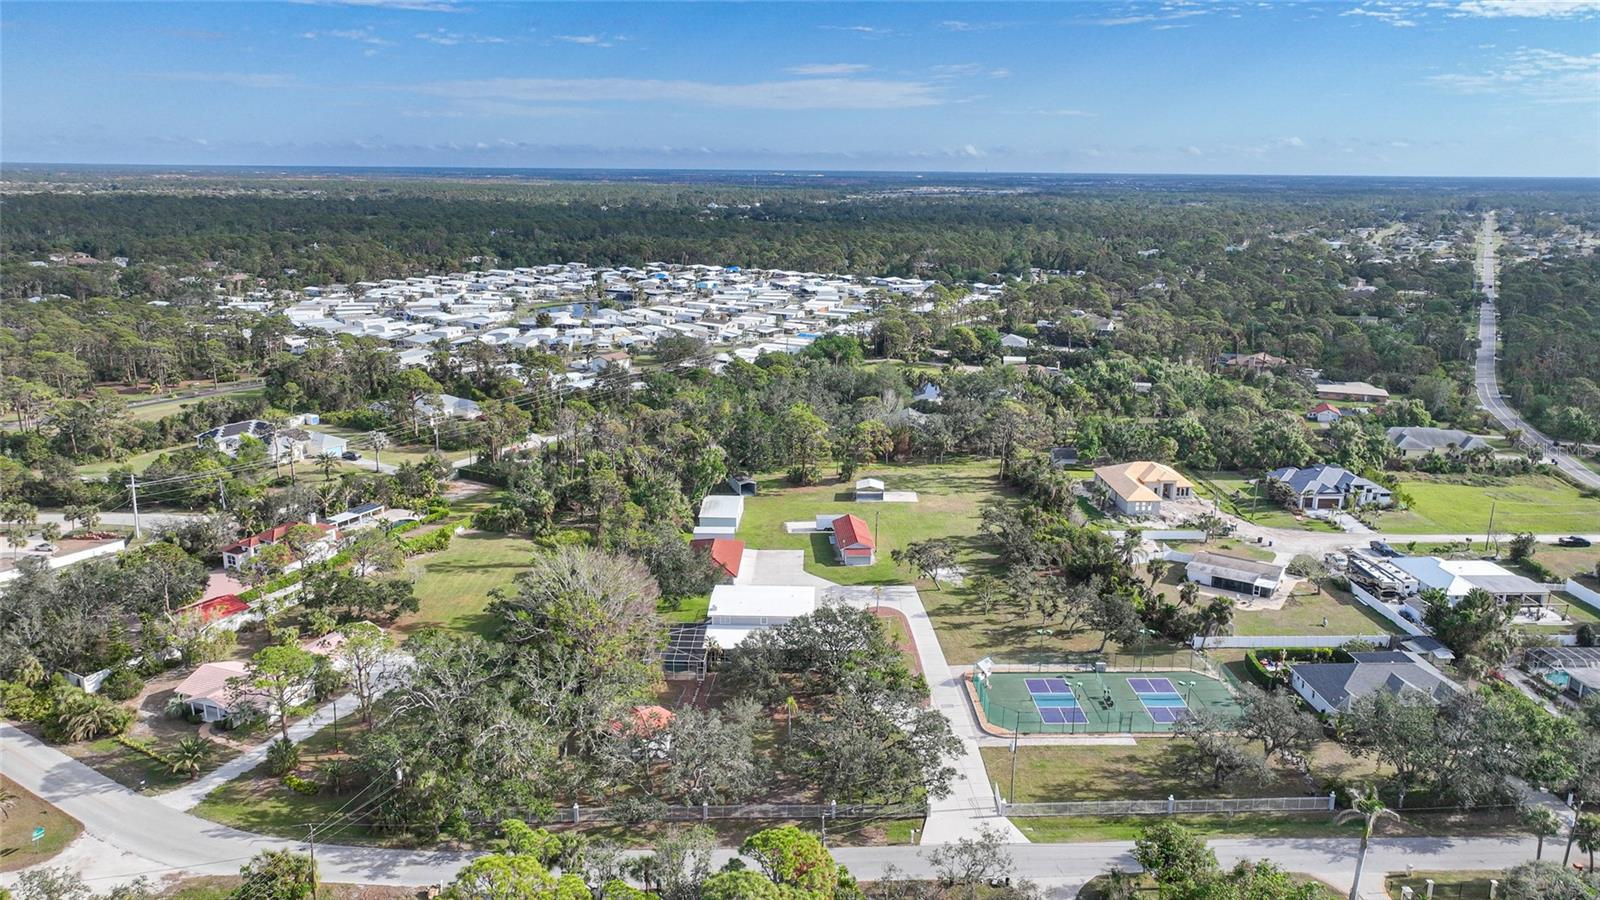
[1184, 659]
[1167, 807]
[1016, 719]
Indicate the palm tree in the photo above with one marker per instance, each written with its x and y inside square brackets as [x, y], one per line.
[380, 441]
[188, 757]
[1366, 807]
[326, 462]
[1586, 834]
[1542, 822]
[8, 801]
[1156, 567]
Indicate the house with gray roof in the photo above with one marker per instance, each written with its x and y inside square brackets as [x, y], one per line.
[1332, 687]
[1329, 487]
[1414, 441]
[1234, 573]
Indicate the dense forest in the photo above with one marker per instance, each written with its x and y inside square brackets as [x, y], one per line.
[1550, 317]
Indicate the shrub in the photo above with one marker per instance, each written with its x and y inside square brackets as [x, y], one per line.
[432, 542]
[123, 684]
[301, 785]
[20, 702]
[282, 757]
[76, 716]
[1588, 635]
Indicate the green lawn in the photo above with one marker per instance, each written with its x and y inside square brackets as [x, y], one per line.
[949, 499]
[1143, 772]
[1303, 614]
[1225, 547]
[399, 452]
[1458, 885]
[18, 849]
[1051, 829]
[1249, 502]
[689, 609]
[161, 410]
[1461, 505]
[454, 584]
[138, 462]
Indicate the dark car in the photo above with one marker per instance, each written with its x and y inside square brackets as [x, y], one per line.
[1574, 541]
[351, 455]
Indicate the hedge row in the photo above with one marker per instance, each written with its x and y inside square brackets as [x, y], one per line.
[1266, 679]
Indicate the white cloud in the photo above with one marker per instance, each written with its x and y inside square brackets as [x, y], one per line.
[591, 40]
[444, 6]
[859, 29]
[1551, 9]
[1164, 13]
[454, 38]
[1059, 113]
[962, 25]
[1192, 150]
[1544, 76]
[1385, 13]
[960, 70]
[363, 36]
[809, 93]
[828, 69]
[236, 79]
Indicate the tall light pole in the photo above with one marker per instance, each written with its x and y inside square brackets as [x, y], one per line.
[1013, 794]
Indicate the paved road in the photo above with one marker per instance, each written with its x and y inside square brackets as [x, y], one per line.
[1487, 381]
[130, 834]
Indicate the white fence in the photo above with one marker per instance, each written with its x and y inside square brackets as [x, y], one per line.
[1390, 612]
[1588, 597]
[1250, 642]
[1168, 807]
[61, 561]
[1166, 534]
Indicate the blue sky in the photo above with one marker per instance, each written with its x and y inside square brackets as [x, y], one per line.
[1437, 87]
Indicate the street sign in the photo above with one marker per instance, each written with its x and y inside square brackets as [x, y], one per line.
[38, 834]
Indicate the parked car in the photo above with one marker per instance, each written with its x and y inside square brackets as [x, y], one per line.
[350, 455]
[51, 548]
[1574, 541]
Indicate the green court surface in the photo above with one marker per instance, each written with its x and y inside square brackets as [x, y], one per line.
[1148, 702]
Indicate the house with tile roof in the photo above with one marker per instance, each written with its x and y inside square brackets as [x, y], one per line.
[1139, 488]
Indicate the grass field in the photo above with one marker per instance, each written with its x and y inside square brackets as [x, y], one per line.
[1225, 547]
[949, 499]
[18, 849]
[1460, 505]
[138, 462]
[395, 454]
[1303, 614]
[453, 586]
[161, 410]
[1050, 829]
[1144, 772]
[1459, 885]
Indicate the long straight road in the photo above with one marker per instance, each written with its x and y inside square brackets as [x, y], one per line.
[1488, 382]
[129, 834]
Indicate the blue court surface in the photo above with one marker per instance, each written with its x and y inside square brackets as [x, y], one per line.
[1160, 698]
[1054, 700]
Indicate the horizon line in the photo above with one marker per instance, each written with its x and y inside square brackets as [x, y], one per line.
[778, 171]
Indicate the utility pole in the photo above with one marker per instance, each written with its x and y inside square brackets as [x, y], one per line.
[311, 842]
[1489, 534]
[133, 493]
[1012, 796]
